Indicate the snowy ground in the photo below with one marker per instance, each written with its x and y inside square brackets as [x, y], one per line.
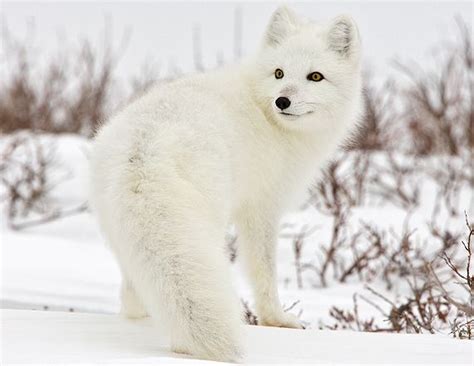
[53, 337]
[64, 267]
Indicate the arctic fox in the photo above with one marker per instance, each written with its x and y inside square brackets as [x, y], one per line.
[239, 145]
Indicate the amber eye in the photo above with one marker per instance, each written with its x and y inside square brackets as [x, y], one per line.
[315, 76]
[279, 73]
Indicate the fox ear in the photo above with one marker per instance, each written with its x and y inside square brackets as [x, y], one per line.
[343, 36]
[282, 23]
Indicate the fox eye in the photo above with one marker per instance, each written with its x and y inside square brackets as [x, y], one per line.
[315, 76]
[279, 73]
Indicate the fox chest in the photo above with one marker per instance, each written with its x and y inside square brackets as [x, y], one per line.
[280, 182]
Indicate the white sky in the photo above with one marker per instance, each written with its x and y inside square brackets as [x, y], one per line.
[161, 32]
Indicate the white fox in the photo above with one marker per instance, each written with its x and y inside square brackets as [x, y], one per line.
[239, 145]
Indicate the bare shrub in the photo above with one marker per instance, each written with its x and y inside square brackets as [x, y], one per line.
[350, 319]
[329, 255]
[298, 240]
[71, 93]
[332, 192]
[375, 132]
[346, 255]
[429, 306]
[363, 259]
[393, 180]
[27, 170]
[438, 102]
[460, 273]
[451, 175]
[352, 176]
[415, 313]
[430, 111]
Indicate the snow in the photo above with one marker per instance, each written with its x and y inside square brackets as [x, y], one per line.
[58, 337]
[59, 272]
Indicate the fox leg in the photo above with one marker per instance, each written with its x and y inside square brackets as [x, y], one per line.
[257, 248]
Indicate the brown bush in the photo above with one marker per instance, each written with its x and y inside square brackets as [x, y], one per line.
[438, 112]
[73, 93]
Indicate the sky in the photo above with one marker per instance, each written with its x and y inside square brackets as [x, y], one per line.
[160, 34]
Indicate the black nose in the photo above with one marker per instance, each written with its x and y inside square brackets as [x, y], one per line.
[282, 102]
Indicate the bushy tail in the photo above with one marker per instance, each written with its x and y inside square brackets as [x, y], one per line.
[177, 265]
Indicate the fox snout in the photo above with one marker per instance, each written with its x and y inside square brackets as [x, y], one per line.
[282, 103]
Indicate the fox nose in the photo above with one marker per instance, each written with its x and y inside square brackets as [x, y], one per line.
[282, 102]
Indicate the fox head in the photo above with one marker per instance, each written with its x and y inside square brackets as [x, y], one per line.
[308, 75]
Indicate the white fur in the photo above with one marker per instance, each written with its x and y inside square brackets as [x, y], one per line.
[172, 170]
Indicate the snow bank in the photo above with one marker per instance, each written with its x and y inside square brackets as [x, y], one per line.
[60, 337]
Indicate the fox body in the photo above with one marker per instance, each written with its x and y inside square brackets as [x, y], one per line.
[239, 145]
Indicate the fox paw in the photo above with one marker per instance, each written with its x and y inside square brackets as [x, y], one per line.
[282, 320]
[134, 314]
[132, 308]
[181, 349]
